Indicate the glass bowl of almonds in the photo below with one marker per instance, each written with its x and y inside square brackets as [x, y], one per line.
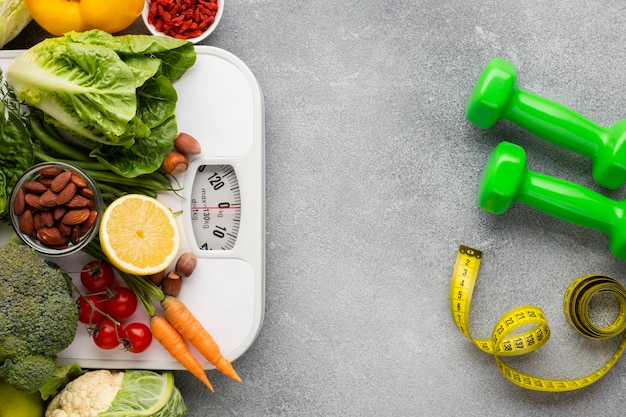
[55, 208]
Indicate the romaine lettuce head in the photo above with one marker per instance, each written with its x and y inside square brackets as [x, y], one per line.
[113, 93]
[15, 17]
[147, 393]
[88, 90]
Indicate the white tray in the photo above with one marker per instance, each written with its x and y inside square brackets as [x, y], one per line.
[221, 104]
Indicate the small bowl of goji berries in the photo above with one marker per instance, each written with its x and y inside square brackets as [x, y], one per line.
[192, 20]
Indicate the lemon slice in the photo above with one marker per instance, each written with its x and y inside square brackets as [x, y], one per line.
[139, 234]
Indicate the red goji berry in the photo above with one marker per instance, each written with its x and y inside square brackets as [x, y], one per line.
[182, 18]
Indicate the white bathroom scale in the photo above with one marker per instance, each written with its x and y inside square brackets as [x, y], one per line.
[220, 211]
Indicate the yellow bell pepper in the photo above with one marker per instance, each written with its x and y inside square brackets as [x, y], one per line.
[60, 16]
[110, 15]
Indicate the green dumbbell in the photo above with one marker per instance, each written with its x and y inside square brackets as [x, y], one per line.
[496, 96]
[506, 180]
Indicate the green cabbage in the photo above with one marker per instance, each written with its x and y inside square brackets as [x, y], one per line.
[147, 393]
[113, 93]
[15, 17]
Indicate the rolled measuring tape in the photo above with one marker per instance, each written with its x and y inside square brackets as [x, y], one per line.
[525, 329]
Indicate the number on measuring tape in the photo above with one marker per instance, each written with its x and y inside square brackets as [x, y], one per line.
[525, 329]
[466, 267]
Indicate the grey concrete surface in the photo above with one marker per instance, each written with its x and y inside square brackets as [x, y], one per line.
[372, 173]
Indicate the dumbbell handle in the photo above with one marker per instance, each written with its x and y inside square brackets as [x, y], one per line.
[496, 95]
[507, 180]
[555, 123]
[568, 201]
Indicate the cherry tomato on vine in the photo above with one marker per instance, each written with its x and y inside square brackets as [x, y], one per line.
[138, 337]
[86, 314]
[107, 335]
[97, 276]
[122, 304]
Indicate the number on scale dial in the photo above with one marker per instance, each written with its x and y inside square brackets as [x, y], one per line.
[215, 207]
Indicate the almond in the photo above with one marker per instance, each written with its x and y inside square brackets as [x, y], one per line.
[48, 199]
[78, 201]
[50, 172]
[46, 181]
[59, 212]
[88, 193]
[76, 234]
[19, 203]
[25, 222]
[76, 216]
[91, 220]
[34, 187]
[37, 222]
[32, 200]
[47, 218]
[66, 194]
[51, 236]
[60, 181]
[65, 229]
[78, 180]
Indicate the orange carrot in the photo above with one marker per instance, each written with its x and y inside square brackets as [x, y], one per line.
[173, 342]
[191, 329]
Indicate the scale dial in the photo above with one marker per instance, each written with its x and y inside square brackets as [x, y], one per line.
[215, 207]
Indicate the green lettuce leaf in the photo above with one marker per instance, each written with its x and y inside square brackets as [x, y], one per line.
[176, 55]
[144, 157]
[59, 379]
[156, 105]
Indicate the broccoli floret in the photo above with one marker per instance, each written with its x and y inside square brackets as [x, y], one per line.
[29, 373]
[38, 316]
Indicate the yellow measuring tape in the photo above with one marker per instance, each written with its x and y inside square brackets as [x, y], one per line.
[525, 329]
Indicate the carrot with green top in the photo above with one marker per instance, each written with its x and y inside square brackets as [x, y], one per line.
[173, 342]
[177, 325]
[191, 329]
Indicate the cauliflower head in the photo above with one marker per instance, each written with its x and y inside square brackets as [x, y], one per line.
[38, 316]
[129, 393]
[87, 396]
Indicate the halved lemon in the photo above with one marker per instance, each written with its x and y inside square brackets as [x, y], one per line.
[139, 234]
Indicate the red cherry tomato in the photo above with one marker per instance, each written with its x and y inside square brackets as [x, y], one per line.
[86, 314]
[97, 276]
[123, 303]
[107, 335]
[138, 337]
